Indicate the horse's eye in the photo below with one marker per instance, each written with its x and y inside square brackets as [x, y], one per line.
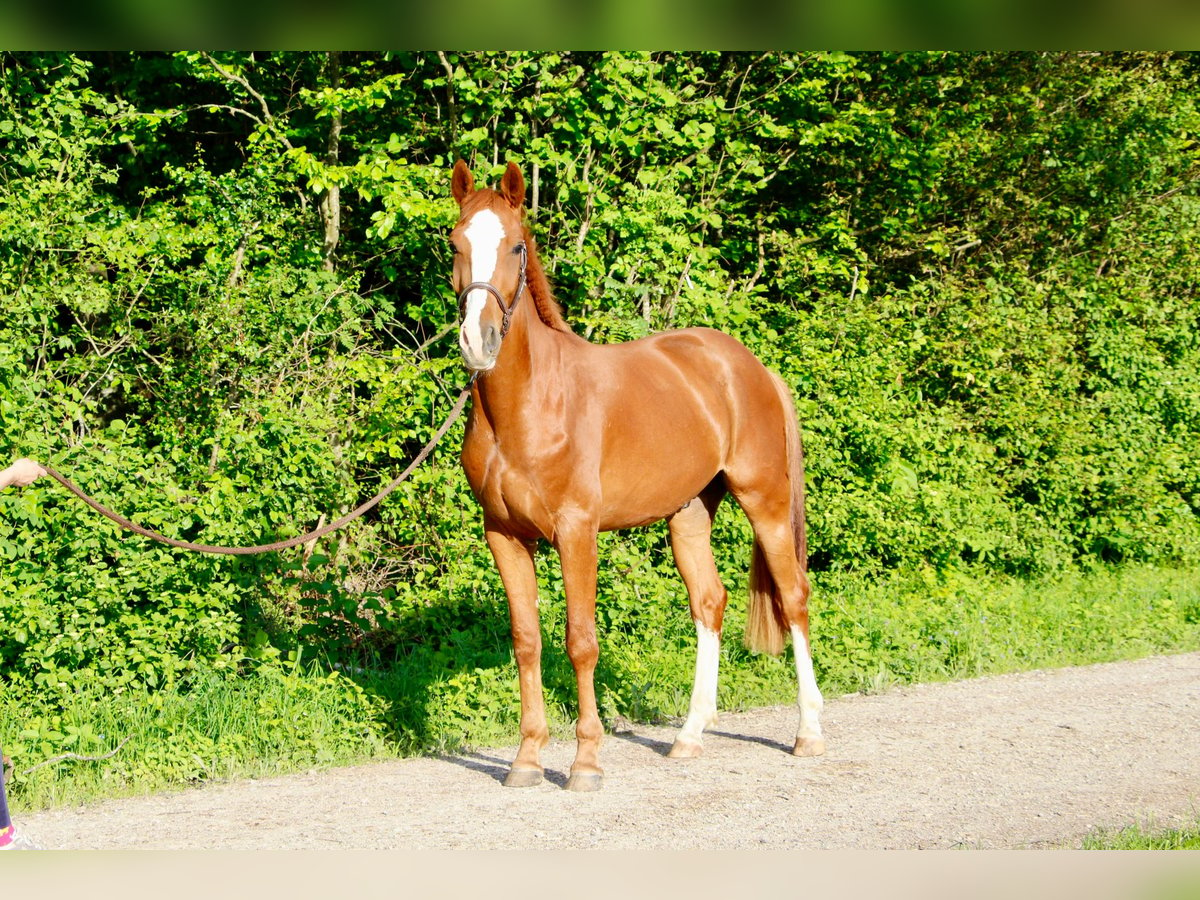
[517, 250]
[453, 248]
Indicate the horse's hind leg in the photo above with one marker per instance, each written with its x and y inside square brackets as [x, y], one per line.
[691, 532]
[809, 740]
[770, 516]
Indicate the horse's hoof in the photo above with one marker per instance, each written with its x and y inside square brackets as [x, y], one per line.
[685, 750]
[809, 746]
[523, 777]
[585, 781]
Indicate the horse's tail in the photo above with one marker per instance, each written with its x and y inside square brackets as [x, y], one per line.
[766, 627]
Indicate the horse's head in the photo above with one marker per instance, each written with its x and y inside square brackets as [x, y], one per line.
[489, 261]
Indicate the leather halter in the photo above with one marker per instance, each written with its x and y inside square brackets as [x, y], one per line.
[506, 308]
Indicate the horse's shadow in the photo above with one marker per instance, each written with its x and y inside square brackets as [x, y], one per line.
[495, 768]
[491, 766]
[770, 743]
[659, 747]
[662, 748]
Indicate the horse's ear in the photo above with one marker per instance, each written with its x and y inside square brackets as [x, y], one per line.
[512, 186]
[462, 182]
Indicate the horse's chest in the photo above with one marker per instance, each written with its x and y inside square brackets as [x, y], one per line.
[509, 489]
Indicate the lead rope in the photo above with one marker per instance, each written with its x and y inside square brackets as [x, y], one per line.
[278, 545]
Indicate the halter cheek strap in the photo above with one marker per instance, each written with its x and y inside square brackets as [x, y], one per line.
[505, 308]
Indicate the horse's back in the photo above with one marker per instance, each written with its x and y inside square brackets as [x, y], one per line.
[719, 373]
[681, 408]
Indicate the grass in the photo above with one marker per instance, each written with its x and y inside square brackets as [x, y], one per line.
[274, 720]
[450, 680]
[1145, 837]
[930, 626]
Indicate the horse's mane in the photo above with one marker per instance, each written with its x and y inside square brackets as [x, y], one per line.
[548, 308]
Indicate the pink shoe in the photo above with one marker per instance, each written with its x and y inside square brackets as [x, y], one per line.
[10, 840]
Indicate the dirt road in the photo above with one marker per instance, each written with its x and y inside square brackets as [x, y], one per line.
[1028, 760]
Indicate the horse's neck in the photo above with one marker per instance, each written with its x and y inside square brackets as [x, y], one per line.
[526, 368]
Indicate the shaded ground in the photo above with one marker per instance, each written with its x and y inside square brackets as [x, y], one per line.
[1027, 760]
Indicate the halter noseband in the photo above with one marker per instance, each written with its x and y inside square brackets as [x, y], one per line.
[506, 308]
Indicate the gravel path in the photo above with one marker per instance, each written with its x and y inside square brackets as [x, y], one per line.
[1027, 760]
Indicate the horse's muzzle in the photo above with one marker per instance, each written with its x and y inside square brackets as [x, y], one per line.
[480, 358]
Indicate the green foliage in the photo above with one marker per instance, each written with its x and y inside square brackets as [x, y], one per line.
[227, 312]
[929, 626]
[1145, 837]
[278, 717]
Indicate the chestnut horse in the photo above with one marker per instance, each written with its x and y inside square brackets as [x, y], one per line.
[567, 439]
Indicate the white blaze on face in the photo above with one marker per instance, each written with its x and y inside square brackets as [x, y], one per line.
[483, 233]
[809, 700]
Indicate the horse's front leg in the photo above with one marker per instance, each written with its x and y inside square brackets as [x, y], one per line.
[577, 550]
[514, 559]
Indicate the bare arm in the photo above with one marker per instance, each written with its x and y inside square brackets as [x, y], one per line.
[22, 473]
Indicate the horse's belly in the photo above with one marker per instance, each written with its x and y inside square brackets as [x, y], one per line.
[642, 488]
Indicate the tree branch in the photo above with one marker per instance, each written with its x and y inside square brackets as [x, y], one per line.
[331, 200]
[267, 118]
[452, 110]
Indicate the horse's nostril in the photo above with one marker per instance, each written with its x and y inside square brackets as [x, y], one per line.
[491, 341]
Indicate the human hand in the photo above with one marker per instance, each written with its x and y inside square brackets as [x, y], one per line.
[22, 473]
